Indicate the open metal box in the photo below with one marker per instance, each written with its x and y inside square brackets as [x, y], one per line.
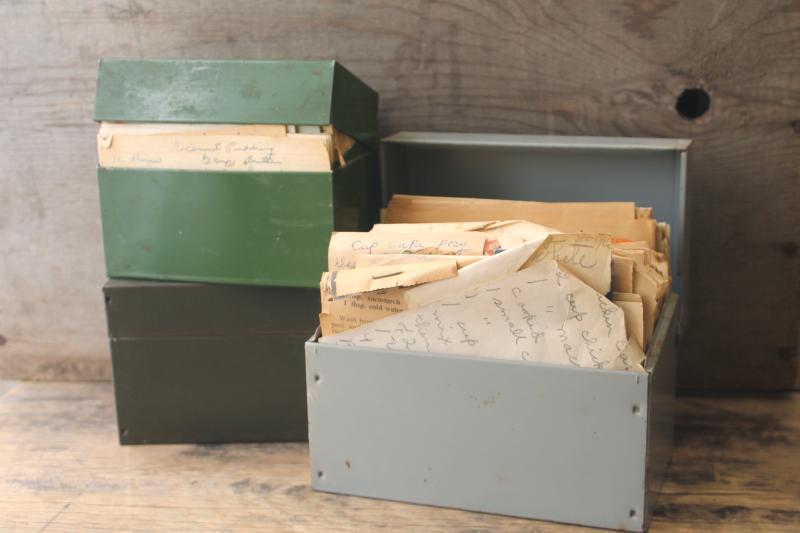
[576, 445]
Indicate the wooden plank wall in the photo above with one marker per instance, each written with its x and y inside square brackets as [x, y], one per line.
[568, 67]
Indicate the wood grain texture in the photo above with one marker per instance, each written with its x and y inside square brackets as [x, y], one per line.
[734, 468]
[568, 67]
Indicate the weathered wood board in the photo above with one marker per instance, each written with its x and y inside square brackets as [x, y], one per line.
[734, 468]
[569, 67]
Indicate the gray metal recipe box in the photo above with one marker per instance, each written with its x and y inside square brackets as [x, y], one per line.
[534, 440]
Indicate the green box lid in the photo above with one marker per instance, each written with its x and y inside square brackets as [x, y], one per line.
[236, 92]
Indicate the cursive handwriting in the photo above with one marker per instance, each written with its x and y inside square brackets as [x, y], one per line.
[607, 309]
[462, 326]
[440, 325]
[573, 308]
[512, 328]
[589, 343]
[529, 319]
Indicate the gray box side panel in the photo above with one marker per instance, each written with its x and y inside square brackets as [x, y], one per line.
[529, 440]
[662, 401]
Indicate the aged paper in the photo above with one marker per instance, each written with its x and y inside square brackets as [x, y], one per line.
[345, 313]
[491, 268]
[400, 259]
[645, 272]
[423, 204]
[642, 255]
[649, 284]
[527, 231]
[617, 219]
[633, 309]
[345, 282]
[293, 152]
[621, 273]
[541, 313]
[248, 147]
[344, 247]
[586, 256]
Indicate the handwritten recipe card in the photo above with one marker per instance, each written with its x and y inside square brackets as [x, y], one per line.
[541, 313]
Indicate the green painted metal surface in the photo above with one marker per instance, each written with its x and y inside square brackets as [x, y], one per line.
[234, 227]
[230, 227]
[253, 228]
[356, 194]
[354, 107]
[210, 389]
[203, 363]
[236, 92]
[137, 308]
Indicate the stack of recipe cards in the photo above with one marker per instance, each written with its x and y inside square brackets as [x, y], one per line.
[513, 289]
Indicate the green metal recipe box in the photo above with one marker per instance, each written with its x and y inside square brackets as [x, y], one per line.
[208, 363]
[240, 227]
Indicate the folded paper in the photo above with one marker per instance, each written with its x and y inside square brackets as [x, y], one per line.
[344, 247]
[618, 219]
[362, 261]
[633, 309]
[586, 256]
[520, 230]
[344, 282]
[542, 313]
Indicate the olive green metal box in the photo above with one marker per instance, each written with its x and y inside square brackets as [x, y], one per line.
[258, 228]
[208, 363]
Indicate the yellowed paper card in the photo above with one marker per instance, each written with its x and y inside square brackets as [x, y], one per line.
[527, 231]
[621, 273]
[345, 282]
[344, 247]
[541, 313]
[584, 255]
[617, 219]
[413, 203]
[293, 152]
[398, 259]
[652, 288]
[633, 309]
[590, 264]
[344, 313]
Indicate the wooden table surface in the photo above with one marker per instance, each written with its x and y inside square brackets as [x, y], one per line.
[736, 467]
